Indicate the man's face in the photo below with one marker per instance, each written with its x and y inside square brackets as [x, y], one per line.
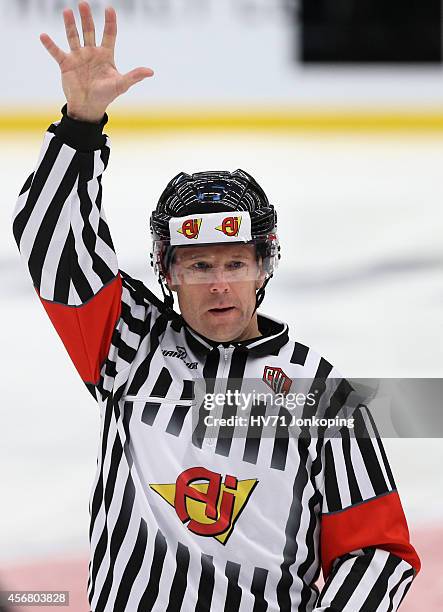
[216, 288]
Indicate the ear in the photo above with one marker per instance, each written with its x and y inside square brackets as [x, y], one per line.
[260, 280]
[169, 282]
[261, 275]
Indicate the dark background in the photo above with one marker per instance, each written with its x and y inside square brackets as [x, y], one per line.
[348, 31]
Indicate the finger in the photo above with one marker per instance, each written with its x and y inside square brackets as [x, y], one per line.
[134, 76]
[52, 48]
[110, 29]
[87, 24]
[71, 30]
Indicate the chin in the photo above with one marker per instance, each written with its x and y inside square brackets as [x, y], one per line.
[222, 334]
[216, 336]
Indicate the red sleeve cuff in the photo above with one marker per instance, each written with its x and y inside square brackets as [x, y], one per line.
[377, 523]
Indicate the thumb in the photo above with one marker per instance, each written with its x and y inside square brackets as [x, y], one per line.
[135, 76]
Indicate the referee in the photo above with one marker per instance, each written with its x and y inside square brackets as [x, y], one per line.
[187, 512]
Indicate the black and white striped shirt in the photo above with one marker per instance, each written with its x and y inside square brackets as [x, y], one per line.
[180, 519]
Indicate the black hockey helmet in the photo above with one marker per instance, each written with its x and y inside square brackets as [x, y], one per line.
[210, 196]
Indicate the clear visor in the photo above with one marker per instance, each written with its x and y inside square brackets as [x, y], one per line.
[216, 263]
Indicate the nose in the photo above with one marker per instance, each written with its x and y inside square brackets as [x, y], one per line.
[219, 288]
[219, 283]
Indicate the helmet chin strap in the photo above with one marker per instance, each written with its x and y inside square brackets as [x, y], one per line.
[260, 295]
[168, 297]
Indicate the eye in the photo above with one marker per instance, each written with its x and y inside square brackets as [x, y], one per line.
[236, 265]
[200, 266]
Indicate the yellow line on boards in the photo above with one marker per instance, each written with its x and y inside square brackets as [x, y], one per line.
[268, 120]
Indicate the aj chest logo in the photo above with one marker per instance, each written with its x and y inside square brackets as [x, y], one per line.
[204, 503]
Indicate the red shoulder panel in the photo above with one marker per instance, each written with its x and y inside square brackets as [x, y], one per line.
[86, 331]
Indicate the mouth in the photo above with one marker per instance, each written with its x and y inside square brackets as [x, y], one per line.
[221, 311]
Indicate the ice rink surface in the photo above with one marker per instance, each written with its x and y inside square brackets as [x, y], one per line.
[360, 280]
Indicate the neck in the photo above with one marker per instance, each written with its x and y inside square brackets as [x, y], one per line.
[251, 331]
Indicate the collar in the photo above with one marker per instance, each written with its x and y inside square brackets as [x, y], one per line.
[274, 335]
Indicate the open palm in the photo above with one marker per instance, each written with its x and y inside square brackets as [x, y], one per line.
[90, 78]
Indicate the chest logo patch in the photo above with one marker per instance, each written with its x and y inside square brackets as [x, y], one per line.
[277, 380]
[209, 506]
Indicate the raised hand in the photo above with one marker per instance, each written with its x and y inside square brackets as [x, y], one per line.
[90, 78]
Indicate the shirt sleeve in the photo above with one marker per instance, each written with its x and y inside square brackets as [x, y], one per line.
[367, 559]
[60, 228]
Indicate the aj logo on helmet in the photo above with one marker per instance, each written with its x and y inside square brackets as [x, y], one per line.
[210, 508]
[190, 228]
[230, 226]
